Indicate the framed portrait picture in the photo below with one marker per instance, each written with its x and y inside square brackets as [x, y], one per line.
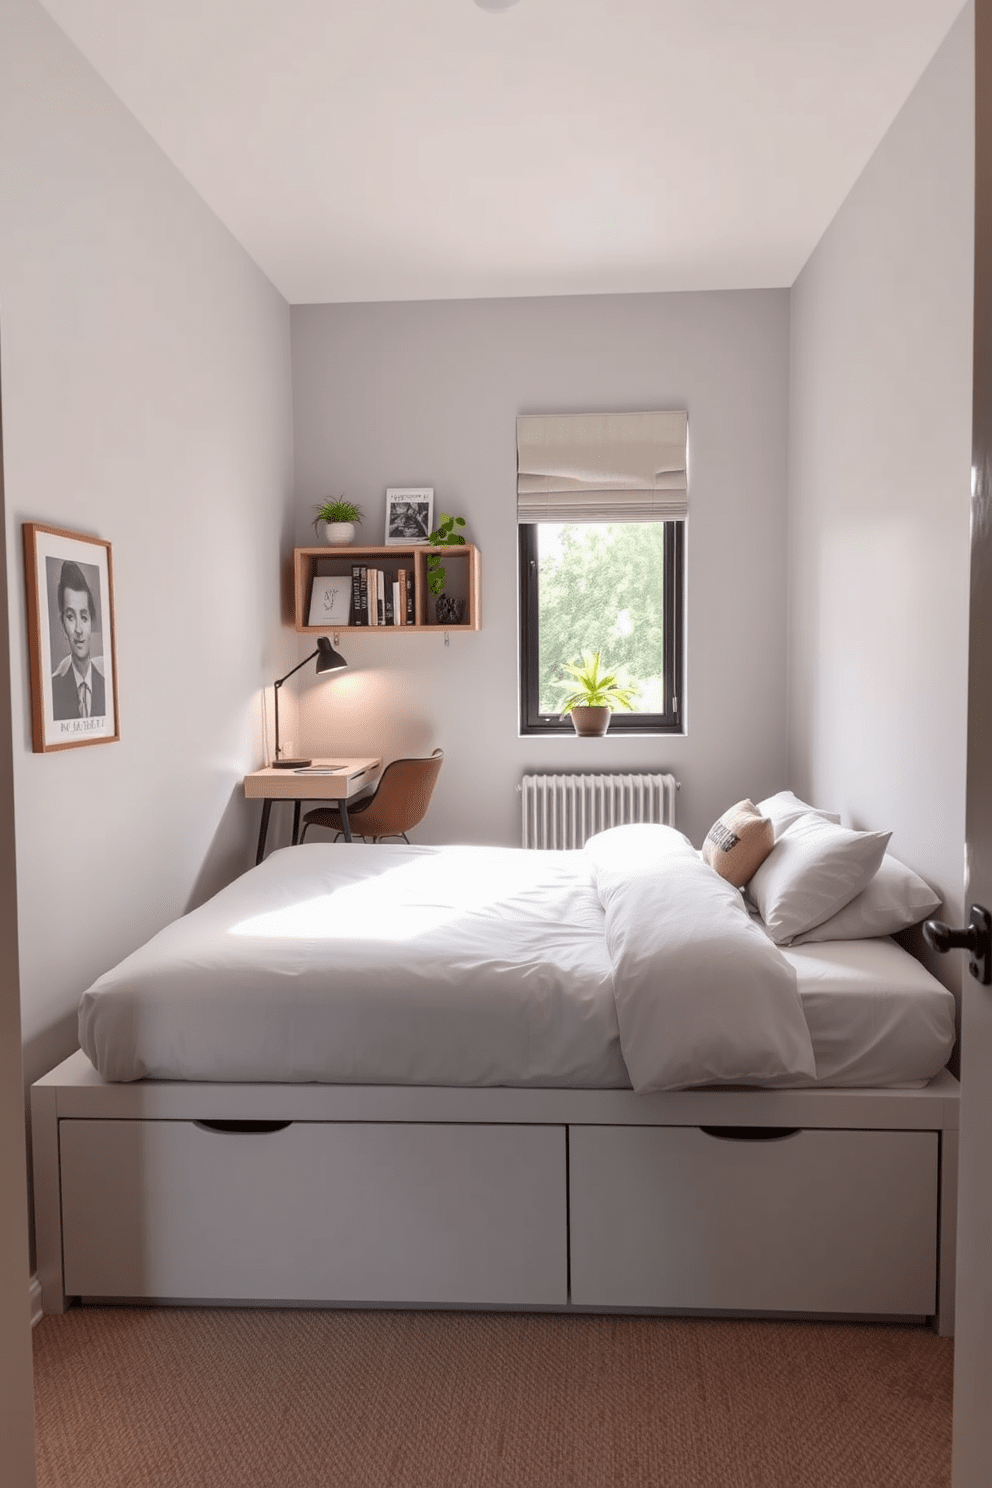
[71, 641]
[330, 600]
[409, 515]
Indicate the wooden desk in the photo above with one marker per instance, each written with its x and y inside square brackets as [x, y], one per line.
[350, 778]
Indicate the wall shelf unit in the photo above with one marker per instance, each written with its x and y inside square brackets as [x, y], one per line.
[462, 566]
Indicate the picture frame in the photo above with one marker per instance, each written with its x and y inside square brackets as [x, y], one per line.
[72, 644]
[409, 515]
[330, 600]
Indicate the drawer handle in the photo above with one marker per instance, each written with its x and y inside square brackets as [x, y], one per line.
[243, 1126]
[751, 1133]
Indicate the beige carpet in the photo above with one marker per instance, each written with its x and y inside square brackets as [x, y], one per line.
[300, 1399]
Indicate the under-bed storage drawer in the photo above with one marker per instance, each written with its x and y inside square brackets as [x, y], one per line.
[815, 1221]
[336, 1212]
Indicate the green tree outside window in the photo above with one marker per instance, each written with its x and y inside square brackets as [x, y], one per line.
[601, 590]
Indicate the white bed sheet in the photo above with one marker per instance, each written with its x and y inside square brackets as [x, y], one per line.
[492, 970]
[875, 1015]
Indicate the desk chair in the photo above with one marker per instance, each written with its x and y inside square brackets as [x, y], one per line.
[398, 803]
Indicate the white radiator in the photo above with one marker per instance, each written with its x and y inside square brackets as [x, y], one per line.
[561, 811]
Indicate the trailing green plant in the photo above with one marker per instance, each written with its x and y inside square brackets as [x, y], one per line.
[338, 511]
[594, 688]
[443, 536]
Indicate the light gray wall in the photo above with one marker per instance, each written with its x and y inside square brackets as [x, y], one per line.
[427, 394]
[146, 399]
[880, 429]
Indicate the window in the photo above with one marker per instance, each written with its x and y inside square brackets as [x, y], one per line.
[601, 506]
[615, 588]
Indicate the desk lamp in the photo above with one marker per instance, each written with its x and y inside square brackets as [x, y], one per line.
[328, 660]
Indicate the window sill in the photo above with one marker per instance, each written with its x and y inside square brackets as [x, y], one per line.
[558, 734]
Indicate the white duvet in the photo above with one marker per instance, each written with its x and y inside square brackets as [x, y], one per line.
[402, 965]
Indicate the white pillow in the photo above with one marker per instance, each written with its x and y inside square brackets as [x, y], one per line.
[814, 869]
[894, 899]
[784, 809]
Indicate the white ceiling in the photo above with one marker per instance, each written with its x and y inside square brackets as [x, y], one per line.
[425, 149]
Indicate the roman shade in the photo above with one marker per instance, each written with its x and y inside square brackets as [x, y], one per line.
[601, 467]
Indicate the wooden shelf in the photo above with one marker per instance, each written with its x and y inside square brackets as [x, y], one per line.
[463, 570]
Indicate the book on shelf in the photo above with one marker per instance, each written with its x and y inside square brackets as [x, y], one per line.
[379, 598]
[362, 613]
[357, 609]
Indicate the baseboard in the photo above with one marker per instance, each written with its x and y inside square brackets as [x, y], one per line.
[34, 1291]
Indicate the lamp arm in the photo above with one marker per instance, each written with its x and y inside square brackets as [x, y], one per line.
[276, 688]
[297, 667]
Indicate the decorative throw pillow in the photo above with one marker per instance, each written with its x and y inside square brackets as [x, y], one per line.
[814, 869]
[894, 899]
[738, 842]
[784, 809]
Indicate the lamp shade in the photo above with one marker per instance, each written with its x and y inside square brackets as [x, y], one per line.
[328, 660]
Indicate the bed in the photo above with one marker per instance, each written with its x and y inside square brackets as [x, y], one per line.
[469, 1077]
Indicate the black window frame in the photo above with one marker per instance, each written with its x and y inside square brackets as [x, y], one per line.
[532, 721]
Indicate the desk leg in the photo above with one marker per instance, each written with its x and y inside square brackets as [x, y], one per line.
[296, 821]
[263, 829]
[345, 824]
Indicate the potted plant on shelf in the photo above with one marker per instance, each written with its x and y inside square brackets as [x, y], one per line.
[449, 611]
[339, 518]
[595, 695]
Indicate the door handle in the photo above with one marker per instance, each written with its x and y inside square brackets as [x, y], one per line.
[976, 937]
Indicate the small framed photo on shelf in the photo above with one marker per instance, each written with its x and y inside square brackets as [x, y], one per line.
[71, 639]
[409, 515]
[330, 600]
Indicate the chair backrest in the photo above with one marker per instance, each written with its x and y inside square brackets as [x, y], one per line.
[401, 798]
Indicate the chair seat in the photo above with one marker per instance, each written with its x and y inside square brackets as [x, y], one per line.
[399, 802]
[330, 817]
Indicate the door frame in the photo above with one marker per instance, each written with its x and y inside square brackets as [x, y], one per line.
[17, 1448]
[972, 1435]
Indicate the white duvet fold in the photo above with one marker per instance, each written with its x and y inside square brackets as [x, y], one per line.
[702, 995]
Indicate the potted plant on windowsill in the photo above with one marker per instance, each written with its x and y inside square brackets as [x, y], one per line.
[339, 518]
[595, 696]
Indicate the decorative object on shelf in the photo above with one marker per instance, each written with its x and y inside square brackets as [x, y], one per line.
[330, 600]
[409, 515]
[329, 660]
[449, 611]
[444, 536]
[71, 639]
[594, 696]
[339, 518]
